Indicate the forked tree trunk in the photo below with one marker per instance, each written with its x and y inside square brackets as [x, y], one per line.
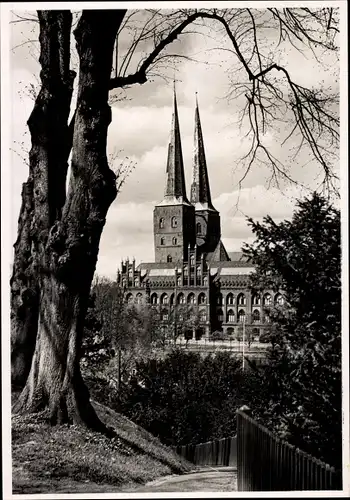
[24, 293]
[71, 252]
[43, 194]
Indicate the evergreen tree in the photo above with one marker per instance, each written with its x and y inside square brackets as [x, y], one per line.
[301, 399]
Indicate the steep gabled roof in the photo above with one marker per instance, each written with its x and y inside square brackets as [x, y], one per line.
[157, 265]
[237, 256]
[232, 271]
[161, 270]
[220, 254]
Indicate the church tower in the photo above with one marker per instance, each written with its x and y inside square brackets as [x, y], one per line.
[207, 220]
[174, 217]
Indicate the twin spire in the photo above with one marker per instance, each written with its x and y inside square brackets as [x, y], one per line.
[200, 189]
[175, 188]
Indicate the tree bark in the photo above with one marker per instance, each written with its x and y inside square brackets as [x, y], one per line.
[24, 294]
[43, 194]
[71, 251]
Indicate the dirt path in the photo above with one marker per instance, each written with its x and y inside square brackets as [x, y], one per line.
[209, 479]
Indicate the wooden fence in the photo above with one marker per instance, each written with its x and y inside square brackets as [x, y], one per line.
[222, 452]
[266, 463]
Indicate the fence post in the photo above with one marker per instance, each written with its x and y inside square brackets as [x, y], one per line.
[267, 463]
[240, 464]
[264, 462]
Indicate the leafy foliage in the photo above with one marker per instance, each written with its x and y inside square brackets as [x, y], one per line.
[95, 346]
[185, 398]
[301, 396]
[183, 321]
[116, 335]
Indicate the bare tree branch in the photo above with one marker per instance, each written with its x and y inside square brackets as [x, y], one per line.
[273, 97]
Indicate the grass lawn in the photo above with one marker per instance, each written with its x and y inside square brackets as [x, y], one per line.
[70, 459]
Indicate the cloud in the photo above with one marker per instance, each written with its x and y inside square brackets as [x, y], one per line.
[255, 202]
[129, 227]
[140, 132]
[21, 107]
[128, 233]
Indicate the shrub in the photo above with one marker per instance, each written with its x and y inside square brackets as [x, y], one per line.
[185, 398]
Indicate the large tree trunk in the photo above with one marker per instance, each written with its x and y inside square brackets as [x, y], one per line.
[24, 294]
[71, 252]
[43, 194]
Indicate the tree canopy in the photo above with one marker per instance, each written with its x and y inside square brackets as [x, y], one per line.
[185, 398]
[60, 223]
[255, 44]
[301, 398]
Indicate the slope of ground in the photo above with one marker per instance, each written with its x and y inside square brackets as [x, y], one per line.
[64, 459]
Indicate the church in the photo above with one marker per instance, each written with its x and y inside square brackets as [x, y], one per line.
[192, 269]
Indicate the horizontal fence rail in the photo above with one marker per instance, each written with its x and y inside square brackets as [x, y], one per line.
[267, 463]
[221, 452]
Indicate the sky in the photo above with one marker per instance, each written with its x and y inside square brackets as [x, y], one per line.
[139, 135]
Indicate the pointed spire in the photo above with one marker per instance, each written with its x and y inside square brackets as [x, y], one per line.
[200, 189]
[175, 189]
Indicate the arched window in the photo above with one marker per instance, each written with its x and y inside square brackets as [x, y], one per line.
[230, 299]
[169, 258]
[162, 241]
[205, 281]
[220, 315]
[164, 299]
[123, 282]
[202, 298]
[174, 241]
[230, 331]
[181, 298]
[192, 260]
[186, 271]
[173, 222]
[279, 299]
[256, 300]
[256, 316]
[230, 316]
[154, 298]
[199, 228]
[129, 298]
[203, 315]
[256, 332]
[267, 299]
[161, 223]
[241, 299]
[219, 299]
[139, 298]
[164, 315]
[198, 270]
[172, 299]
[137, 282]
[179, 281]
[191, 299]
[241, 316]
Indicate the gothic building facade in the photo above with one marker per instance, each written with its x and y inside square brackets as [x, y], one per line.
[192, 268]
